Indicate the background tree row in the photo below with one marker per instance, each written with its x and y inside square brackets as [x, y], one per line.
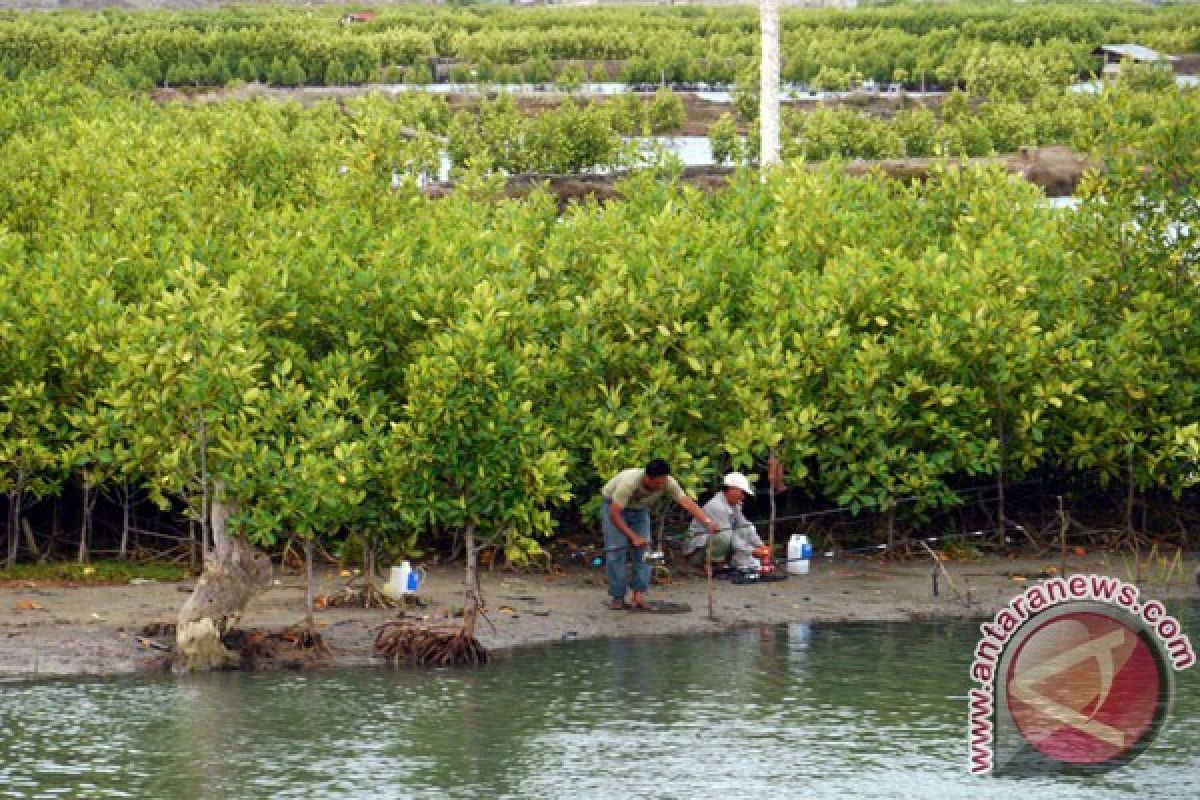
[235, 296]
[918, 44]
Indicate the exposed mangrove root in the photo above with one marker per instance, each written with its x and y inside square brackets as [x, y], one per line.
[295, 647]
[305, 639]
[407, 643]
[357, 597]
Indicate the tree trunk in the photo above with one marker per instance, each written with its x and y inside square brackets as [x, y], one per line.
[1130, 531]
[14, 519]
[192, 544]
[234, 572]
[125, 502]
[55, 531]
[891, 532]
[456, 545]
[473, 600]
[31, 542]
[1001, 519]
[81, 555]
[205, 500]
[85, 524]
[308, 583]
[11, 560]
[1129, 493]
[768, 11]
[368, 546]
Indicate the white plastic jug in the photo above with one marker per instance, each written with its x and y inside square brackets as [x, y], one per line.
[398, 580]
[799, 554]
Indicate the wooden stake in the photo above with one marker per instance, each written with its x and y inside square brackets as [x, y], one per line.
[771, 521]
[942, 567]
[774, 484]
[1062, 539]
[708, 568]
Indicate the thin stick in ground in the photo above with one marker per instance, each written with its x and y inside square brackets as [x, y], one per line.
[940, 566]
[709, 570]
[1062, 538]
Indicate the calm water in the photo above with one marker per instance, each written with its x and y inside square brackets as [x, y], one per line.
[867, 710]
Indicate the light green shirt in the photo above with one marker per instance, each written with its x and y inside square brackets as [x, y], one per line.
[627, 491]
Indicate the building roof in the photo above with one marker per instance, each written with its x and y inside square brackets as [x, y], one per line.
[1134, 51]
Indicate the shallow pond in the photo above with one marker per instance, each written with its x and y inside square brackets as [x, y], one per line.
[852, 710]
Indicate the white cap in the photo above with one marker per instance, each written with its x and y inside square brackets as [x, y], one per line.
[738, 481]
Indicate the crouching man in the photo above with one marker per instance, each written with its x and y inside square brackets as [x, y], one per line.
[737, 539]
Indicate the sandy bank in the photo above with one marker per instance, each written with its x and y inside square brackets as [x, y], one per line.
[97, 630]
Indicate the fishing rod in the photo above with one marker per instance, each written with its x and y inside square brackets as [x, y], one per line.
[654, 555]
[659, 556]
[825, 512]
[929, 539]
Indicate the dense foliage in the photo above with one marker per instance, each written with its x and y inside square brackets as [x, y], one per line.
[568, 138]
[961, 125]
[237, 293]
[917, 43]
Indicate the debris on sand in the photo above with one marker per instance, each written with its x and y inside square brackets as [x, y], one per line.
[294, 647]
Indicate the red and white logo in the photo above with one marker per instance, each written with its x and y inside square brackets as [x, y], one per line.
[1084, 688]
[1075, 673]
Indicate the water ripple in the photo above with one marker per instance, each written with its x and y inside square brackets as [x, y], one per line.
[822, 712]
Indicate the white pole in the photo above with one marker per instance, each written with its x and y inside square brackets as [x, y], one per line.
[768, 11]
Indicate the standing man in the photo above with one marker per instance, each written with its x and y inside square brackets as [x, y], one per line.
[737, 533]
[625, 520]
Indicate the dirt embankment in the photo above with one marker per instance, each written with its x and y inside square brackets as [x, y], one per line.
[101, 630]
[1187, 64]
[1057, 170]
[699, 112]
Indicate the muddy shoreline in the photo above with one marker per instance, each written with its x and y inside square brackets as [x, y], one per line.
[100, 630]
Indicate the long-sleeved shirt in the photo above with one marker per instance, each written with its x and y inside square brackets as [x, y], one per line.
[719, 511]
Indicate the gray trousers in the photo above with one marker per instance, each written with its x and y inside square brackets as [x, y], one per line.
[738, 544]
